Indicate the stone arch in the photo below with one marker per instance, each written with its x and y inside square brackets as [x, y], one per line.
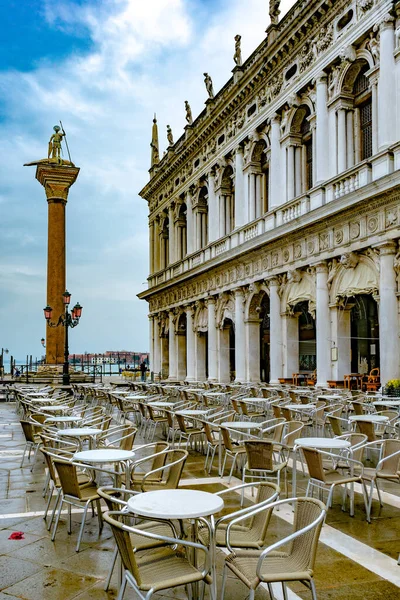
[300, 287]
[301, 113]
[350, 73]
[225, 309]
[200, 320]
[253, 302]
[362, 278]
[258, 150]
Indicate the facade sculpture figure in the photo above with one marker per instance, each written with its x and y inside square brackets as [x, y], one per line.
[237, 57]
[170, 137]
[55, 143]
[274, 11]
[373, 45]
[189, 117]
[209, 85]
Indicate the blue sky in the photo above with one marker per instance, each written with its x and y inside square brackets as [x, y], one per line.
[103, 67]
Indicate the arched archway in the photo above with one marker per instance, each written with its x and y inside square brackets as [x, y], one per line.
[180, 330]
[265, 339]
[257, 173]
[181, 231]
[301, 153]
[227, 202]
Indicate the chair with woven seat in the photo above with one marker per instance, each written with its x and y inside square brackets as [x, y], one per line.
[327, 479]
[232, 450]
[272, 564]
[168, 475]
[187, 432]
[160, 568]
[249, 412]
[261, 462]
[116, 500]
[75, 494]
[212, 444]
[252, 532]
[32, 442]
[140, 467]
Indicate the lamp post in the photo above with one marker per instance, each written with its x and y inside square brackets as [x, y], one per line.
[3, 351]
[67, 320]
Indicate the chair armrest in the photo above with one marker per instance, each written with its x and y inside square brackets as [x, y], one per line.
[382, 460]
[149, 473]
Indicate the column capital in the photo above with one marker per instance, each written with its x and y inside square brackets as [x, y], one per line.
[56, 180]
[387, 22]
[239, 150]
[276, 119]
[273, 281]
[389, 247]
[189, 309]
[321, 78]
[210, 300]
[238, 291]
[320, 267]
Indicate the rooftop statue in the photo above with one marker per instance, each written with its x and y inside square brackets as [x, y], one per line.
[170, 137]
[189, 117]
[274, 11]
[237, 57]
[55, 142]
[209, 85]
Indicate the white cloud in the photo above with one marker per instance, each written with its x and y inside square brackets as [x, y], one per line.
[144, 56]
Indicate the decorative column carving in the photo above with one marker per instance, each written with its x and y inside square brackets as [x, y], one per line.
[212, 340]
[388, 314]
[277, 195]
[240, 336]
[323, 325]
[190, 344]
[386, 87]
[239, 188]
[322, 129]
[275, 330]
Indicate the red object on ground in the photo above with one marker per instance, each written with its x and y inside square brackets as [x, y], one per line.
[17, 535]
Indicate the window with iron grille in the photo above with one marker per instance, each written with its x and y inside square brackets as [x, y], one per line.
[366, 129]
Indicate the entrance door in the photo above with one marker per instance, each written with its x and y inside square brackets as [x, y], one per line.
[364, 334]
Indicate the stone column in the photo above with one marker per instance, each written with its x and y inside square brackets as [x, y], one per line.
[156, 246]
[224, 375]
[156, 363]
[299, 170]
[151, 342]
[276, 196]
[213, 214]
[240, 337]
[275, 330]
[386, 89]
[172, 348]
[200, 357]
[290, 341]
[332, 143]
[56, 180]
[341, 338]
[212, 341]
[189, 224]
[259, 198]
[151, 247]
[252, 349]
[252, 197]
[322, 130]
[290, 172]
[172, 257]
[323, 325]
[181, 362]
[190, 344]
[374, 84]
[388, 315]
[350, 139]
[239, 188]
[342, 148]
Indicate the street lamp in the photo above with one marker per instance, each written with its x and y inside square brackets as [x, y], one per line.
[68, 319]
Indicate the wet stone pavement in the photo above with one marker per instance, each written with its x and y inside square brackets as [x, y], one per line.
[354, 561]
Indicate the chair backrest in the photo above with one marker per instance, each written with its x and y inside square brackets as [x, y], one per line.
[335, 423]
[115, 498]
[259, 454]
[286, 413]
[368, 429]
[373, 374]
[314, 463]
[292, 432]
[235, 405]
[68, 477]
[124, 543]
[358, 408]
[392, 415]
[174, 461]
[226, 438]
[392, 465]
[128, 437]
[28, 430]
[260, 521]
[304, 548]
[243, 407]
[207, 431]
[181, 422]
[277, 411]
[49, 464]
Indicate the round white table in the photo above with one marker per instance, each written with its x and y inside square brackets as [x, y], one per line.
[241, 425]
[63, 419]
[175, 504]
[105, 455]
[300, 407]
[319, 443]
[192, 412]
[370, 418]
[82, 432]
[54, 407]
[161, 404]
[253, 400]
[384, 402]
[135, 397]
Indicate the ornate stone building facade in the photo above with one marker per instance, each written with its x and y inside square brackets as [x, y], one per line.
[274, 220]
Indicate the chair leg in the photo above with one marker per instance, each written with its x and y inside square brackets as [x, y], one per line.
[271, 592]
[82, 526]
[48, 501]
[110, 572]
[54, 509]
[57, 519]
[122, 588]
[99, 514]
[224, 576]
[232, 467]
[313, 590]
[284, 591]
[379, 492]
[252, 594]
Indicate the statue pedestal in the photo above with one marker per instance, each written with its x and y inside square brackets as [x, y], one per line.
[272, 33]
[237, 73]
[210, 102]
[188, 131]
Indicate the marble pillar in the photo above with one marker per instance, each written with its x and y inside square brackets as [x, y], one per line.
[323, 326]
[340, 318]
[389, 346]
[386, 88]
[252, 329]
[275, 331]
[276, 197]
[157, 346]
[172, 373]
[200, 356]
[239, 189]
[342, 147]
[240, 337]
[212, 341]
[290, 341]
[189, 224]
[322, 130]
[213, 213]
[224, 373]
[172, 257]
[190, 344]
[291, 185]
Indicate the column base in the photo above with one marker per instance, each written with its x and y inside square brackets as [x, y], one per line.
[274, 381]
[321, 384]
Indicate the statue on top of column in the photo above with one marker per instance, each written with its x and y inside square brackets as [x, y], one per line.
[170, 137]
[209, 85]
[55, 143]
[274, 11]
[189, 117]
[237, 57]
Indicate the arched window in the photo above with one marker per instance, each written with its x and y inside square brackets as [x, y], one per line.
[181, 232]
[164, 244]
[227, 202]
[363, 107]
[257, 181]
[201, 217]
[300, 154]
[306, 139]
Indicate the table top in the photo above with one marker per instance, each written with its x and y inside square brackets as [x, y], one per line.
[161, 404]
[384, 402]
[43, 400]
[80, 431]
[36, 393]
[192, 412]
[371, 418]
[63, 419]
[319, 442]
[102, 455]
[241, 425]
[53, 408]
[214, 393]
[194, 391]
[252, 400]
[136, 397]
[175, 504]
[309, 406]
